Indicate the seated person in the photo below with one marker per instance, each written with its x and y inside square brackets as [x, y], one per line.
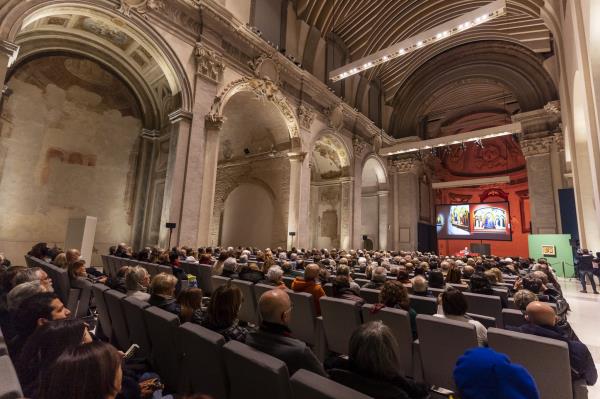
[274, 277]
[436, 279]
[274, 336]
[342, 286]
[250, 272]
[23, 291]
[163, 293]
[61, 261]
[117, 283]
[468, 271]
[229, 268]
[35, 311]
[190, 302]
[454, 276]
[403, 277]
[77, 271]
[542, 322]
[480, 284]
[222, 313]
[454, 307]
[44, 346]
[419, 286]
[309, 284]
[378, 278]
[484, 373]
[33, 274]
[372, 365]
[395, 295]
[137, 282]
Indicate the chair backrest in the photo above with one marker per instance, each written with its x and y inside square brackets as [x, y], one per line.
[203, 366]
[287, 280]
[460, 287]
[166, 347]
[398, 321]
[10, 388]
[203, 275]
[513, 317]
[29, 261]
[423, 305]
[487, 321]
[105, 267]
[308, 385]
[113, 300]
[102, 309]
[248, 311]
[340, 318]
[85, 296]
[370, 295]
[438, 352]
[511, 303]
[151, 268]
[303, 319]
[502, 293]
[60, 281]
[436, 291]
[328, 288]
[547, 360]
[164, 269]
[218, 281]
[486, 305]
[249, 371]
[138, 333]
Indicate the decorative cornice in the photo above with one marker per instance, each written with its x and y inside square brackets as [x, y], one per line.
[179, 115]
[148, 134]
[553, 107]
[178, 13]
[540, 122]
[306, 116]
[209, 64]
[213, 121]
[359, 146]
[297, 156]
[11, 50]
[405, 165]
[559, 139]
[537, 146]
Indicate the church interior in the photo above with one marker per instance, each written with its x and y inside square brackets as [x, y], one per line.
[397, 138]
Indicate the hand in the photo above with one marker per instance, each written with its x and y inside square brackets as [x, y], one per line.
[103, 279]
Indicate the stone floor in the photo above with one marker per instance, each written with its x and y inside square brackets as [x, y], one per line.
[585, 320]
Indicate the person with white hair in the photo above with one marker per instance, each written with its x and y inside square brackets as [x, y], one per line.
[378, 278]
[23, 291]
[137, 282]
[230, 268]
[274, 277]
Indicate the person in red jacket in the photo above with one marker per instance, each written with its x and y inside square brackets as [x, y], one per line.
[310, 285]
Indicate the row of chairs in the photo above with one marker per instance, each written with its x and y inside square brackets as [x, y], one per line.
[190, 358]
[10, 388]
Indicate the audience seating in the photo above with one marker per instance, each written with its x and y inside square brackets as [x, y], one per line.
[438, 354]
[547, 360]
[485, 305]
[340, 318]
[303, 321]
[308, 385]
[218, 281]
[487, 321]
[166, 350]
[10, 388]
[3, 348]
[85, 296]
[423, 305]
[133, 310]
[328, 288]
[119, 324]
[361, 281]
[460, 287]
[98, 291]
[370, 295]
[513, 317]
[287, 280]
[248, 312]
[398, 321]
[203, 275]
[203, 366]
[255, 374]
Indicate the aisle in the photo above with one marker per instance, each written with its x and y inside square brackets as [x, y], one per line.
[585, 320]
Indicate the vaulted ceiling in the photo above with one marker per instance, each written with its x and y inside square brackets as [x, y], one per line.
[366, 26]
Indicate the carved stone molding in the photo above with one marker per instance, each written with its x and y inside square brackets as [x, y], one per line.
[539, 122]
[11, 50]
[148, 134]
[179, 115]
[306, 116]
[405, 165]
[265, 67]
[359, 146]
[537, 146]
[178, 14]
[377, 141]
[209, 64]
[335, 114]
[213, 121]
[559, 139]
[553, 107]
[297, 156]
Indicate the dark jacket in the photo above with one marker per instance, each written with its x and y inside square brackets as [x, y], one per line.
[231, 332]
[373, 285]
[168, 304]
[276, 340]
[342, 290]
[584, 263]
[377, 388]
[582, 364]
[254, 276]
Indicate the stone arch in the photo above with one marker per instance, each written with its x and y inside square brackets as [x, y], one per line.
[25, 23]
[373, 205]
[380, 168]
[265, 90]
[332, 141]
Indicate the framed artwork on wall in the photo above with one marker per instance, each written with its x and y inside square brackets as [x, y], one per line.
[548, 250]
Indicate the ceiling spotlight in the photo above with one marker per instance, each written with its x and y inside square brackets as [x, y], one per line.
[445, 33]
[461, 26]
[385, 58]
[439, 36]
[478, 19]
[419, 43]
[402, 51]
[484, 17]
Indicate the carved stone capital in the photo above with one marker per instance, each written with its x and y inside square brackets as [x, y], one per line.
[405, 165]
[297, 156]
[209, 64]
[11, 51]
[537, 146]
[553, 107]
[179, 115]
[306, 116]
[359, 146]
[213, 121]
[540, 122]
[559, 139]
[335, 113]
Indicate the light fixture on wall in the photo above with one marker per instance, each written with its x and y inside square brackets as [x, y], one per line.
[441, 32]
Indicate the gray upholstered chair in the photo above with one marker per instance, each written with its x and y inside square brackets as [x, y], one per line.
[485, 305]
[254, 374]
[98, 291]
[203, 366]
[340, 318]
[308, 385]
[513, 317]
[10, 388]
[423, 305]
[248, 311]
[133, 309]
[203, 275]
[487, 321]
[117, 317]
[303, 320]
[370, 295]
[438, 356]
[218, 281]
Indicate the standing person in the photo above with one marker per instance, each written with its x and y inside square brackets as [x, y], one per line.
[586, 268]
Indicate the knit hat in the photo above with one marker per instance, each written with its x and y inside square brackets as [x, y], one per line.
[483, 373]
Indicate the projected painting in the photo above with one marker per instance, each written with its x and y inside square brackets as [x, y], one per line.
[473, 221]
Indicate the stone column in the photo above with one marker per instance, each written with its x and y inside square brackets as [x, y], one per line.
[213, 125]
[406, 172]
[537, 152]
[298, 201]
[383, 199]
[175, 180]
[209, 72]
[346, 212]
[360, 148]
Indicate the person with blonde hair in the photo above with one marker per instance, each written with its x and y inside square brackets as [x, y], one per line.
[162, 291]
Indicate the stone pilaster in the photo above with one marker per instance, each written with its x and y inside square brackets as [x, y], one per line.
[405, 174]
[298, 199]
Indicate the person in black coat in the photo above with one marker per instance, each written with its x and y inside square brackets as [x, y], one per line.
[586, 268]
